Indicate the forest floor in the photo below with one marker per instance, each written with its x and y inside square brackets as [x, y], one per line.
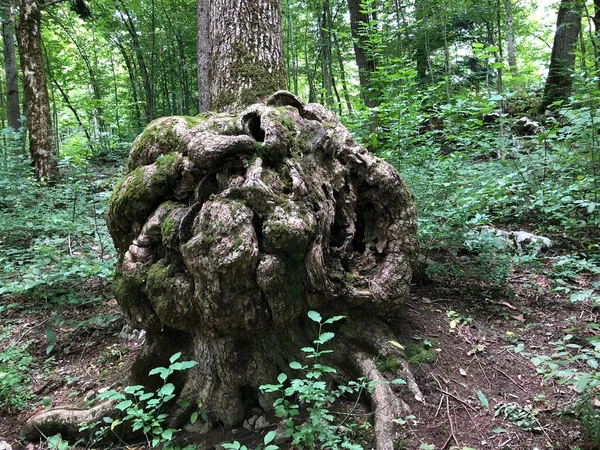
[470, 350]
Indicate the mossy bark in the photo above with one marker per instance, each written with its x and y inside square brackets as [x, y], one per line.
[228, 240]
[240, 52]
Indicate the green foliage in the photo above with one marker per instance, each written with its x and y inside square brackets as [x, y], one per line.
[142, 411]
[312, 392]
[576, 362]
[53, 240]
[15, 376]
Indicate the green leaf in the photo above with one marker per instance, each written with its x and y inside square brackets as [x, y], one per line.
[122, 406]
[269, 437]
[281, 378]
[167, 434]
[324, 337]
[175, 357]
[499, 430]
[314, 316]
[167, 389]
[334, 319]
[194, 417]
[483, 399]
[295, 365]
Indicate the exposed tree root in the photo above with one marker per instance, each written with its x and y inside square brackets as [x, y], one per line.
[65, 422]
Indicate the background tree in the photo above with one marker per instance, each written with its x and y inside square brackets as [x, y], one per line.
[10, 65]
[559, 82]
[35, 91]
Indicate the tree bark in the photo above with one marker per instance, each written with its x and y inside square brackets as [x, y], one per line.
[364, 58]
[246, 60]
[230, 228]
[510, 39]
[10, 67]
[562, 62]
[36, 91]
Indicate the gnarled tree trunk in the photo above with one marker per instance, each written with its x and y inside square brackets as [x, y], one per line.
[230, 229]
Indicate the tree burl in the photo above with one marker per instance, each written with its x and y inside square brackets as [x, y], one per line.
[229, 228]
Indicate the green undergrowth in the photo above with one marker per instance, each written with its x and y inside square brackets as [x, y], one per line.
[466, 173]
[53, 239]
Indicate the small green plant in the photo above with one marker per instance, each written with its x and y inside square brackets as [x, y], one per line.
[576, 362]
[143, 410]
[15, 384]
[266, 445]
[311, 391]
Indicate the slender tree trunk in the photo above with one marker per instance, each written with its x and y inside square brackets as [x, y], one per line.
[10, 67]
[325, 35]
[510, 39]
[133, 81]
[146, 74]
[36, 92]
[562, 62]
[421, 53]
[364, 58]
[246, 60]
[342, 73]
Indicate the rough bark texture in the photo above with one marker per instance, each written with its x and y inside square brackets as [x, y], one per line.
[10, 66]
[35, 91]
[203, 52]
[246, 52]
[230, 228]
[562, 62]
[364, 59]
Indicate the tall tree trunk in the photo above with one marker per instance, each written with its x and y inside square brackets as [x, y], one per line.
[510, 39]
[364, 58]
[342, 73]
[146, 74]
[245, 52]
[325, 35]
[10, 67]
[562, 62]
[36, 92]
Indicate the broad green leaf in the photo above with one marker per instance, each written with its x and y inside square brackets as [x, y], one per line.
[281, 378]
[269, 437]
[175, 357]
[314, 316]
[334, 319]
[295, 365]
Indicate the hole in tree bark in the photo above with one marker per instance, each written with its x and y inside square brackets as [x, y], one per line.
[249, 397]
[358, 241]
[253, 124]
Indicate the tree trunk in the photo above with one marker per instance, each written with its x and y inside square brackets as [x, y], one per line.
[325, 38]
[271, 232]
[364, 58]
[36, 92]
[562, 62]
[10, 67]
[244, 53]
[510, 39]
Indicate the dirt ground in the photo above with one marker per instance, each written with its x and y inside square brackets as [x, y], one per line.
[462, 339]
